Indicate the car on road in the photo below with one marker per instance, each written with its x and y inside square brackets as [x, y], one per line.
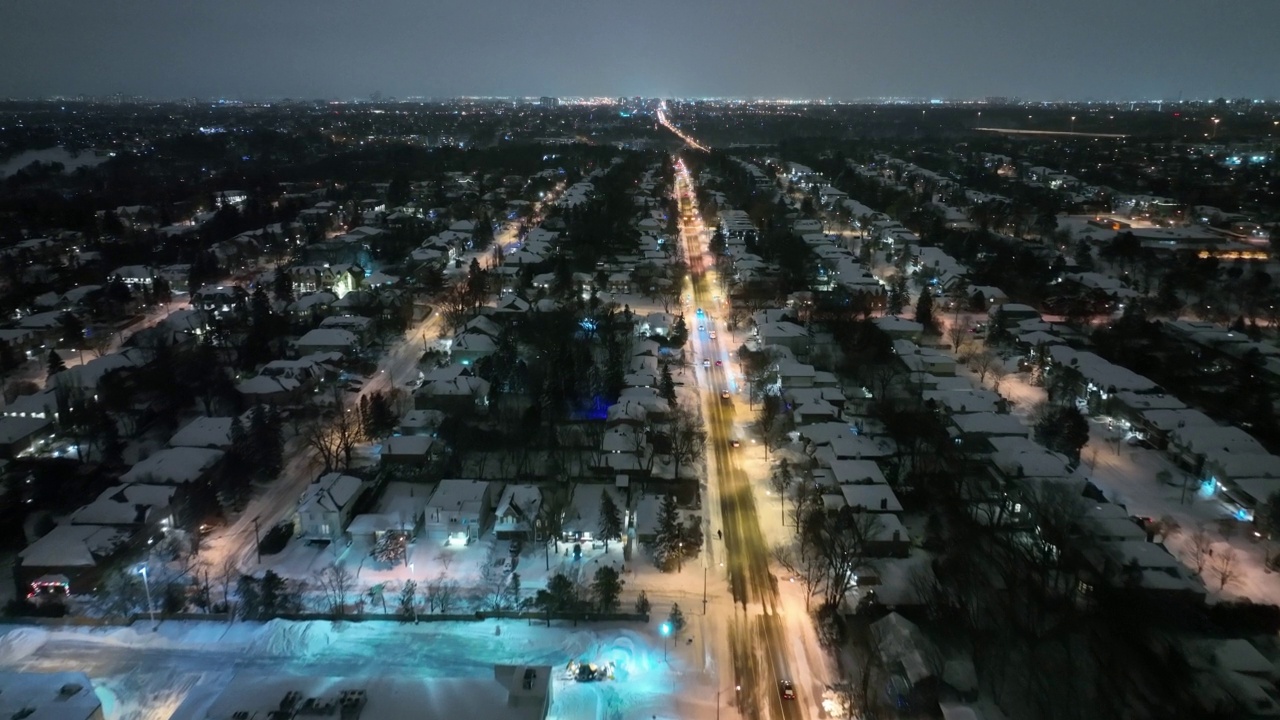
[1139, 441]
[706, 363]
[724, 395]
[712, 334]
[719, 363]
[787, 690]
[702, 328]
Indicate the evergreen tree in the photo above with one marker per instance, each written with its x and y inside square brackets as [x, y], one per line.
[676, 619]
[55, 364]
[924, 309]
[72, 329]
[606, 587]
[666, 544]
[667, 385]
[282, 286]
[642, 603]
[250, 597]
[273, 593]
[610, 519]
[1063, 429]
[898, 295]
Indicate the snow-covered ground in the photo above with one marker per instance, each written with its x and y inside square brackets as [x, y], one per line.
[146, 675]
[1127, 475]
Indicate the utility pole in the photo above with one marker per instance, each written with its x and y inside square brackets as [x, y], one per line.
[257, 539]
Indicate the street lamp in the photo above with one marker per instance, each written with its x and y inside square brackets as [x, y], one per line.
[1073, 123]
[665, 629]
[146, 584]
[1215, 128]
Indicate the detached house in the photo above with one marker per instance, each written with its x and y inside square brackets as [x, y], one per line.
[326, 507]
[517, 513]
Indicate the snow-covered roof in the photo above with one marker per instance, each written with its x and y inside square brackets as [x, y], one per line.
[263, 385]
[124, 505]
[327, 337]
[849, 472]
[871, 497]
[466, 496]
[408, 445]
[48, 696]
[520, 501]
[331, 493]
[898, 640]
[583, 513]
[204, 432]
[173, 465]
[73, 546]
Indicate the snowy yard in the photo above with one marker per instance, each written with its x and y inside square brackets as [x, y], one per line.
[144, 675]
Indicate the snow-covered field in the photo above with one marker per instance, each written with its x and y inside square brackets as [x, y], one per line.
[142, 674]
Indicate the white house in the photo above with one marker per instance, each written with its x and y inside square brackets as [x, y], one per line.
[326, 507]
[459, 510]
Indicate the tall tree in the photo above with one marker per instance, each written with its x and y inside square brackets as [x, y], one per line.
[55, 364]
[610, 519]
[924, 309]
[606, 587]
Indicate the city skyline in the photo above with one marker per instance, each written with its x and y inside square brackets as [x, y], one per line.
[811, 49]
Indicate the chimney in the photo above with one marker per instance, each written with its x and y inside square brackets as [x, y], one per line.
[884, 503]
[897, 535]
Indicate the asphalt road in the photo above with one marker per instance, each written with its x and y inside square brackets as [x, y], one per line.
[760, 652]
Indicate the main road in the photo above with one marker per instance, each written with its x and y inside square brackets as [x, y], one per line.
[760, 651]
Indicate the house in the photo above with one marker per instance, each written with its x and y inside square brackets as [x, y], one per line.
[129, 505]
[79, 553]
[646, 515]
[899, 328]
[327, 340]
[470, 348]
[794, 337]
[326, 507]
[516, 515]
[49, 696]
[913, 664]
[459, 511]
[463, 394]
[408, 450]
[871, 498]
[204, 432]
[174, 466]
[581, 522]
[421, 422]
[19, 433]
[968, 427]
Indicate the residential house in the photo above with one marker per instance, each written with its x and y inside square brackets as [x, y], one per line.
[327, 506]
[459, 511]
[516, 515]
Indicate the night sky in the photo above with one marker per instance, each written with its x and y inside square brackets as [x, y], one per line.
[843, 49]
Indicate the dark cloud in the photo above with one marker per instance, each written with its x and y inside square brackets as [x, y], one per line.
[1042, 49]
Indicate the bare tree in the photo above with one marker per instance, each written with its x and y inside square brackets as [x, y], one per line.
[226, 576]
[1201, 548]
[336, 581]
[445, 559]
[806, 566]
[335, 441]
[688, 437]
[445, 591]
[984, 363]
[841, 540]
[1226, 568]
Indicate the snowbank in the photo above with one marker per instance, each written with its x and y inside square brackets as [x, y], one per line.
[19, 643]
[288, 638]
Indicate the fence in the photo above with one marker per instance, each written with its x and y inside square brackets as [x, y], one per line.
[78, 621]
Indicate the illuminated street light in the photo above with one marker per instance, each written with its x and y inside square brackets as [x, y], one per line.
[146, 584]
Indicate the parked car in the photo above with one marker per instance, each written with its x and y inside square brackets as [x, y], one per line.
[787, 690]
